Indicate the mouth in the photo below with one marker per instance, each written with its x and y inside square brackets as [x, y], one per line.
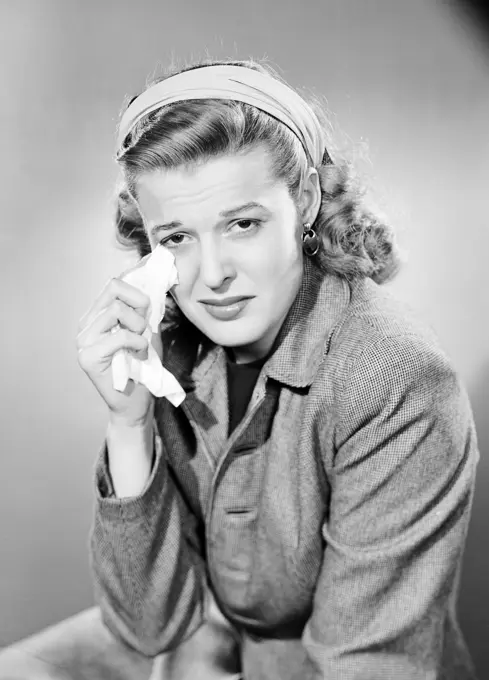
[226, 309]
[225, 302]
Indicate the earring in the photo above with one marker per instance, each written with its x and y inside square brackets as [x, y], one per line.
[310, 241]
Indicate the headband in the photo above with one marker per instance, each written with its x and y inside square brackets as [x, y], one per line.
[233, 83]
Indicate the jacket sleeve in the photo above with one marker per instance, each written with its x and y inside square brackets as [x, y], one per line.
[402, 483]
[149, 575]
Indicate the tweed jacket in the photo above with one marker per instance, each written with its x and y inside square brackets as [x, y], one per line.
[330, 526]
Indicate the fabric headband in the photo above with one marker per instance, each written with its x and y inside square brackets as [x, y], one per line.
[233, 83]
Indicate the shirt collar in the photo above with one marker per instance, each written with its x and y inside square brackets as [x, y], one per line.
[301, 343]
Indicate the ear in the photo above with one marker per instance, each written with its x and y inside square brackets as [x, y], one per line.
[310, 200]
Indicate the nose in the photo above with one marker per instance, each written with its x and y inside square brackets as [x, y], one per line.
[215, 265]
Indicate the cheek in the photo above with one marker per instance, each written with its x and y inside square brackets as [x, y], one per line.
[182, 290]
[281, 252]
[281, 269]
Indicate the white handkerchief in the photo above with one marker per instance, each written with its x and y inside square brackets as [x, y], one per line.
[155, 278]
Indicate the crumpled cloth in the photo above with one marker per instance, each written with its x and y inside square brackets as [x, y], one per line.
[155, 278]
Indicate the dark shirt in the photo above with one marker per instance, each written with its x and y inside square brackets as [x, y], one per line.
[241, 382]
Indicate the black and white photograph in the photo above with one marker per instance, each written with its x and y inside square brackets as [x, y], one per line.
[245, 343]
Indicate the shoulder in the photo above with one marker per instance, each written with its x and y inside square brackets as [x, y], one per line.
[381, 343]
[386, 378]
[375, 317]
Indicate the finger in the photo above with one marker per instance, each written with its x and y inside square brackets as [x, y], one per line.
[116, 289]
[117, 313]
[103, 351]
[122, 338]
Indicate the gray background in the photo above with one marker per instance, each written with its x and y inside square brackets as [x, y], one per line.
[408, 83]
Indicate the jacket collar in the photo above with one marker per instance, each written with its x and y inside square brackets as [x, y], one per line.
[304, 336]
[300, 346]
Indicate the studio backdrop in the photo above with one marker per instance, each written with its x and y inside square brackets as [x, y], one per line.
[408, 85]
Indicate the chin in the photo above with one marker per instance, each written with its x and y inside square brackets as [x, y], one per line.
[231, 333]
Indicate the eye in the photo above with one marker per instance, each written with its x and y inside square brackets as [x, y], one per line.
[173, 240]
[246, 225]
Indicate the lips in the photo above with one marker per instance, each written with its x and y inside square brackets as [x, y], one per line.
[226, 302]
[227, 309]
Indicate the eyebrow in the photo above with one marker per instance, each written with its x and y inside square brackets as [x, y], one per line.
[175, 224]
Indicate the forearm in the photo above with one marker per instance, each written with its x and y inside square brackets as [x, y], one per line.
[130, 457]
[148, 571]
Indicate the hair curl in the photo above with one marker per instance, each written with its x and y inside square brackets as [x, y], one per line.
[354, 241]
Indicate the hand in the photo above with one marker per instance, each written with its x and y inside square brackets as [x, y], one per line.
[123, 304]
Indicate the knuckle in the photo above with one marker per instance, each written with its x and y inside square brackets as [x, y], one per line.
[126, 336]
[118, 308]
[138, 341]
[109, 286]
[82, 358]
[109, 290]
[141, 324]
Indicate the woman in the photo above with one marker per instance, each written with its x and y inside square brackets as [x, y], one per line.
[303, 513]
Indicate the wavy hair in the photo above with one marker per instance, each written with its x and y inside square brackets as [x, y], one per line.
[354, 241]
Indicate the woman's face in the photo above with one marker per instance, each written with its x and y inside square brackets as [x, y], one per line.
[235, 234]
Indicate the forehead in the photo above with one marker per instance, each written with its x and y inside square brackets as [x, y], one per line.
[214, 184]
